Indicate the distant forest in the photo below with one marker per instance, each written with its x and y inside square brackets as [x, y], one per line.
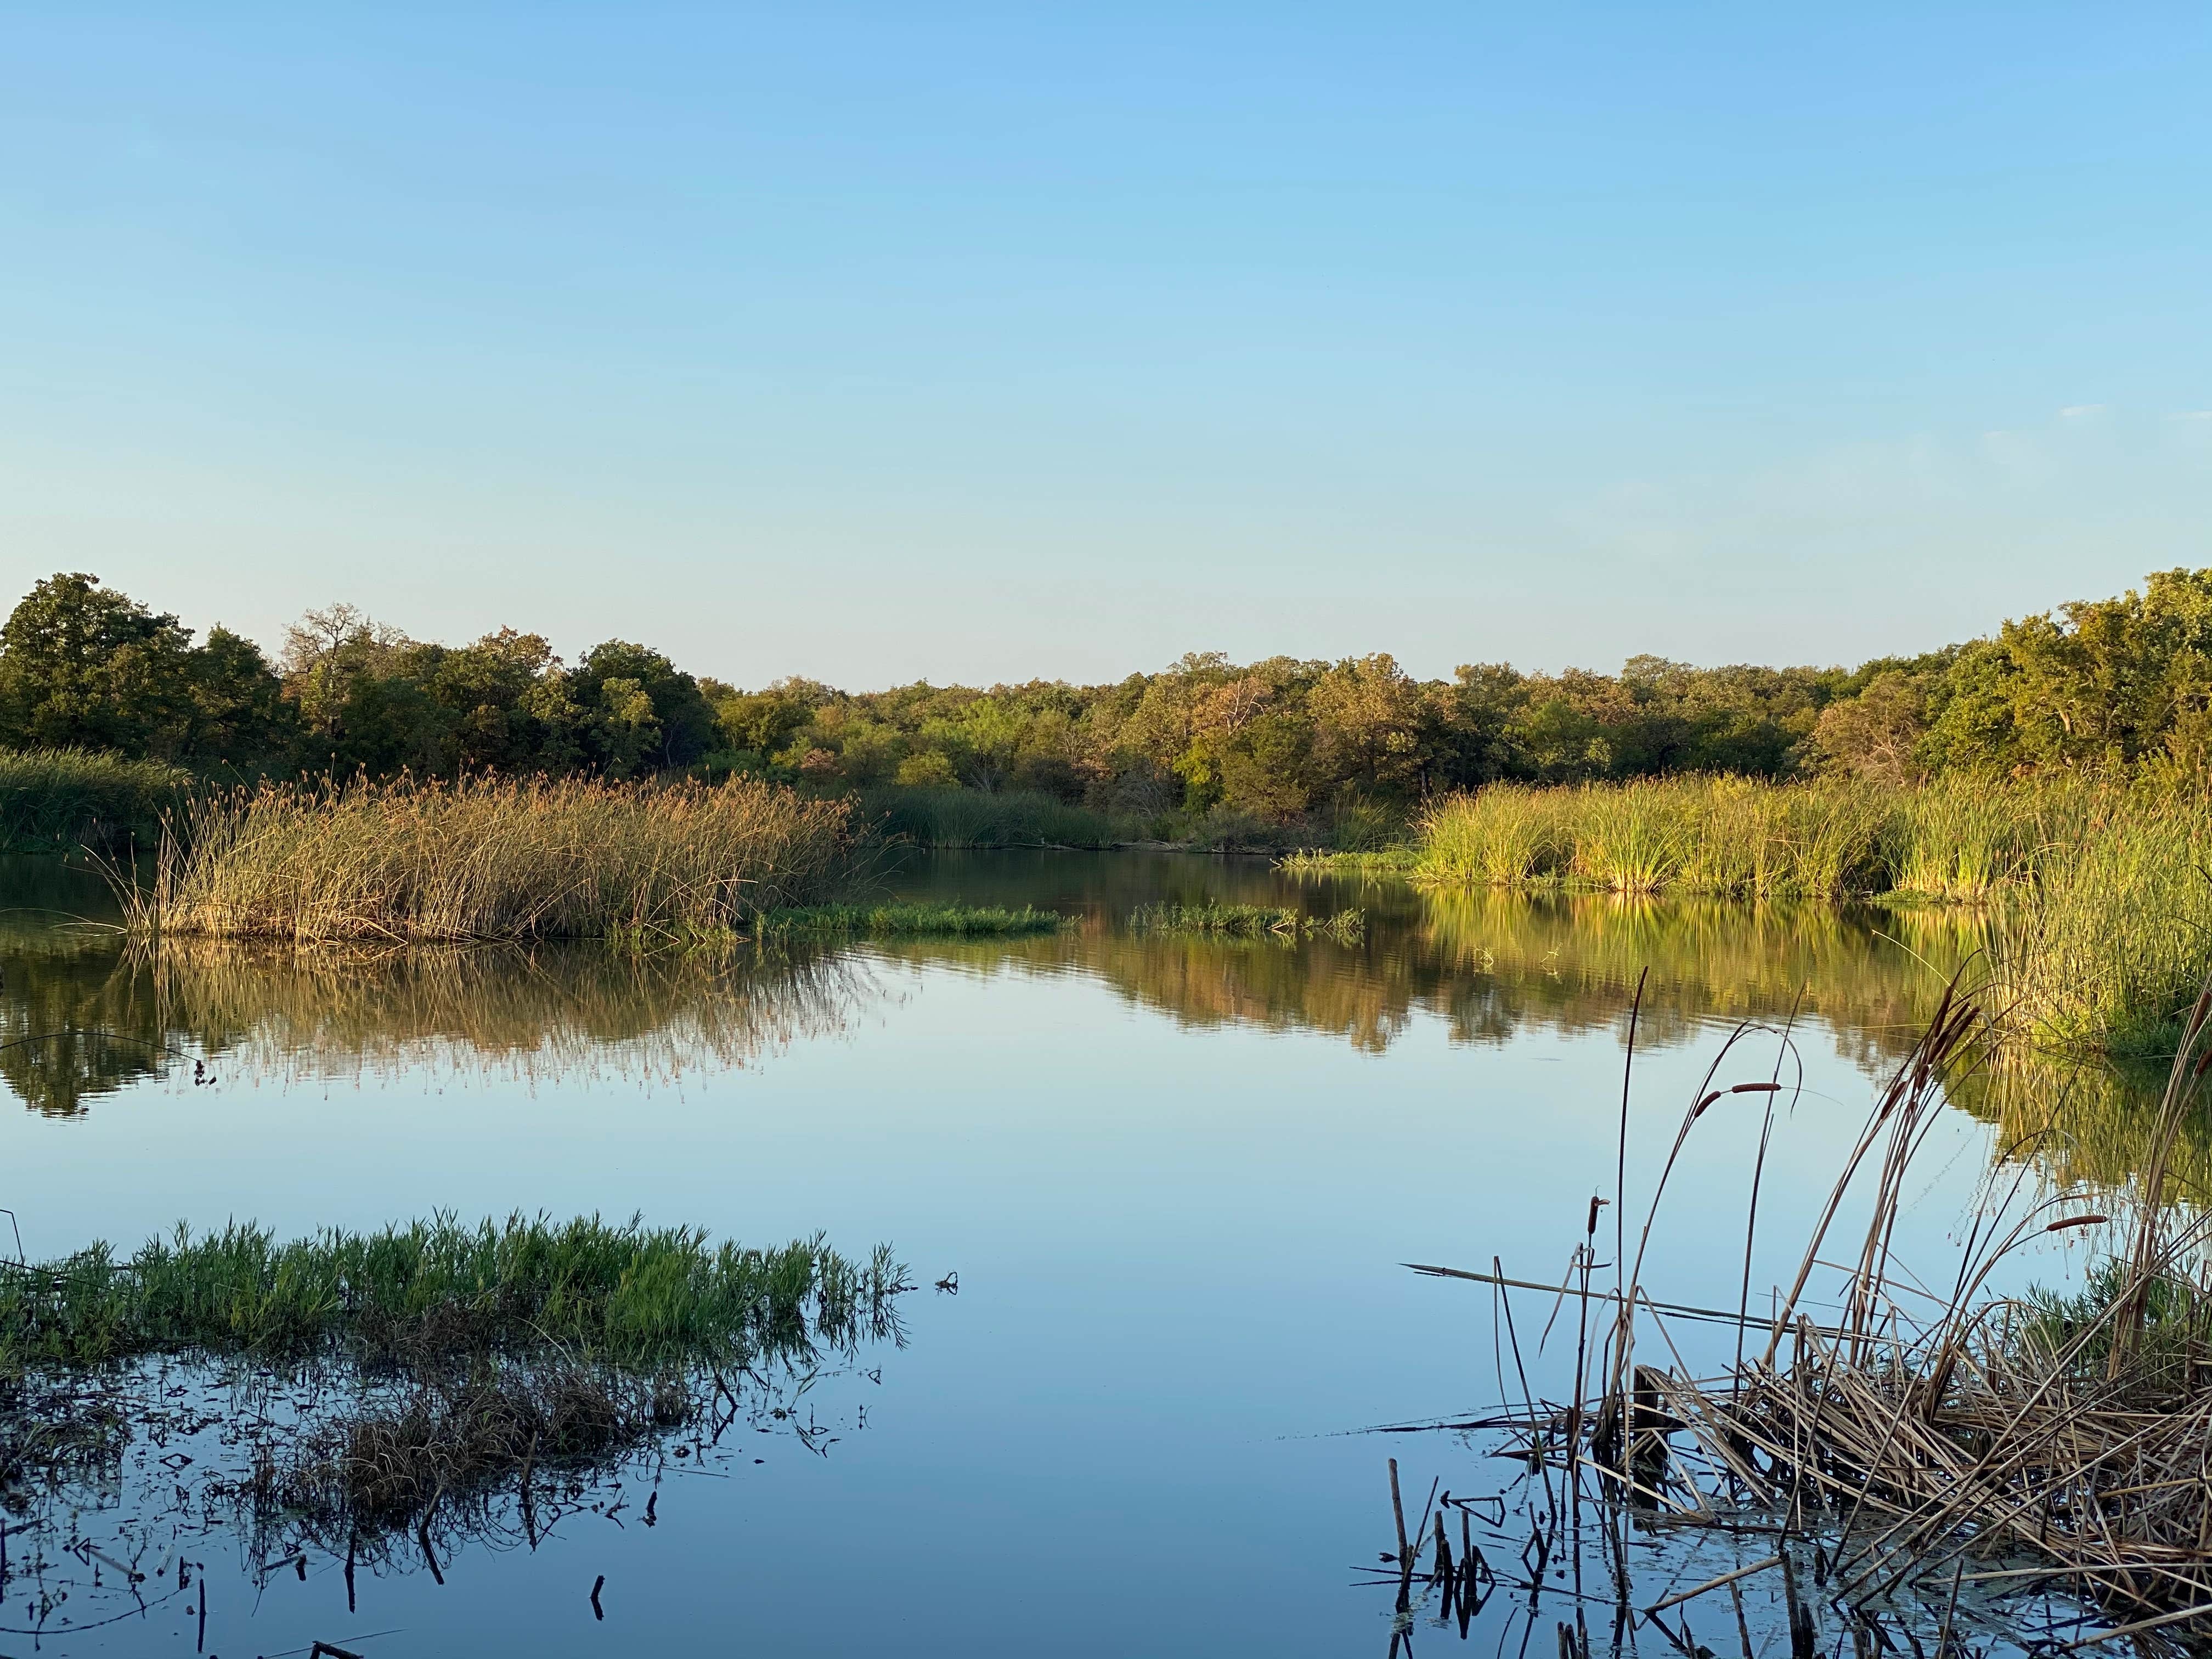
[2123, 683]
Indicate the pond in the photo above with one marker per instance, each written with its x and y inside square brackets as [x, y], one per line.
[1168, 1185]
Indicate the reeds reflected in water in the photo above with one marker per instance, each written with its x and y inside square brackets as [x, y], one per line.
[78, 1024]
[83, 1015]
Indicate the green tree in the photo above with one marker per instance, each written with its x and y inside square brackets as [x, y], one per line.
[84, 665]
[672, 727]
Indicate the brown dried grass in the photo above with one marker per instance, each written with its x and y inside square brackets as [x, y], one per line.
[408, 862]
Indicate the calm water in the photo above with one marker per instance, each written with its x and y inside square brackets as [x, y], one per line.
[1175, 1178]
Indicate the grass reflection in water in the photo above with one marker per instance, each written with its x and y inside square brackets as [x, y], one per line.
[1489, 963]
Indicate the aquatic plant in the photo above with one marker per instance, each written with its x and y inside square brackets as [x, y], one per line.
[2119, 932]
[56, 800]
[1906, 1431]
[625, 1294]
[1248, 921]
[490, 859]
[903, 919]
[2099, 887]
[1382, 861]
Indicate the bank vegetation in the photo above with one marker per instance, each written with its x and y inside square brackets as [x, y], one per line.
[488, 858]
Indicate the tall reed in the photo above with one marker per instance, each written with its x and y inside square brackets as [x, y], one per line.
[2099, 888]
[490, 859]
[2119, 934]
[1703, 834]
[1959, 839]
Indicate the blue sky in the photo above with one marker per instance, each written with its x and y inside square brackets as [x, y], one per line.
[979, 343]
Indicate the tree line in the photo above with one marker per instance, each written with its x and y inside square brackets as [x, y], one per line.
[2119, 682]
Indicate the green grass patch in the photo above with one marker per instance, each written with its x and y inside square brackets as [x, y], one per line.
[1382, 862]
[1256, 921]
[2099, 891]
[615, 1294]
[907, 921]
[56, 800]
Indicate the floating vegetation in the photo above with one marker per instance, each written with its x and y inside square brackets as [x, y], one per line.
[1257, 921]
[1379, 861]
[483, 858]
[2047, 1452]
[430, 1289]
[907, 921]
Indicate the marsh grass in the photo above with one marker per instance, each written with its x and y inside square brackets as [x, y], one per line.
[907, 921]
[1256, 921]
[1961, 839]
[619, 1294]
[2119, 933]
[1913, 1431]
[1382, 862]
[55, 801]
[489, 859]
[2100, 888]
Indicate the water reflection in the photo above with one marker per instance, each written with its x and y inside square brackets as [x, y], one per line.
[167, 1490]
[81, 1016]
[1491, 964]
[84, 1014]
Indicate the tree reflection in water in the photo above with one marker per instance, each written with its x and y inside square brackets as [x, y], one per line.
[83, 1017]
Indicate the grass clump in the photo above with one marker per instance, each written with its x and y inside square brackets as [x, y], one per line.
[489, 859]
[1382, 861]
[1916, 1431]
[55, 801]
[2100, 887]
[628, 1295]
[1959, 839]
[2118, 934]
[907, 921]
[1248, 921]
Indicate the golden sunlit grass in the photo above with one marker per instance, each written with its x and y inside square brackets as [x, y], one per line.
[488, 859]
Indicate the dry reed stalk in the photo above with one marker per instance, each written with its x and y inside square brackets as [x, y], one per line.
[408, 862]
[2080, 1434]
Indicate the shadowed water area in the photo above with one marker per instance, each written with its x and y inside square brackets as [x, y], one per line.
[1172, 1178]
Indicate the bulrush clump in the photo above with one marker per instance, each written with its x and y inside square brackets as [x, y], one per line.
[433, 1290]
[2100, 914]
[411, 862]
[1915, 1436]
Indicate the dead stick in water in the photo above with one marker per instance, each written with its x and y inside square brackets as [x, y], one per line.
[1677, 1309]
[423, 1532]
[1398, 1510]
[2140, 1625]
[1714, 1583]
[1742, 1624]
[1950, 1610]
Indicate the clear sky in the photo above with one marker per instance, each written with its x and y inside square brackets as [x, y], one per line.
[876, 343]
